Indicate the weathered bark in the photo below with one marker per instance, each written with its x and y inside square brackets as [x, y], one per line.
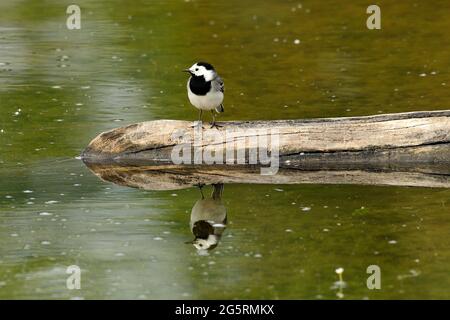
[394, 149]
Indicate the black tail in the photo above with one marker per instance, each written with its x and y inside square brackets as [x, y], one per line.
[220, 108]
[218, 191]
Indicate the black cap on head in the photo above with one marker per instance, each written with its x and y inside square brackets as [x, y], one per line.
[206, 65]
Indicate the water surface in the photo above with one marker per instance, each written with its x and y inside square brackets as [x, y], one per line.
[280, 60]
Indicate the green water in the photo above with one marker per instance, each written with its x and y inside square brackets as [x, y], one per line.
[60, 88]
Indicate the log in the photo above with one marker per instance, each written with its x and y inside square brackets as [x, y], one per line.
[411, 149]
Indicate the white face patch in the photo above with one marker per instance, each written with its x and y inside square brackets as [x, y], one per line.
[204, 244]
[202, 71]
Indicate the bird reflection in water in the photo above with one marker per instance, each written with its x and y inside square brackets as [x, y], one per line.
[208, 220]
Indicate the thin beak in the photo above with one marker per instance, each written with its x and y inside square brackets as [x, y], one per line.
[186, 70]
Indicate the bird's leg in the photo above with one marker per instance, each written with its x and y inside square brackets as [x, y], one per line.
[213, 124]
[200, 187]
[200, 123]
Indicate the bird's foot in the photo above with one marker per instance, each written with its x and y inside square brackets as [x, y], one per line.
[198, 124]
[215, 125]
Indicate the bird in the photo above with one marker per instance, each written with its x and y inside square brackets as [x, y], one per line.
[205, 89]
[208, 220]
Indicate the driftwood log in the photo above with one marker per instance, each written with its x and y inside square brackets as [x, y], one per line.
[407, 149]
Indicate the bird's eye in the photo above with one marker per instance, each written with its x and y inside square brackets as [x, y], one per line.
[196, 69]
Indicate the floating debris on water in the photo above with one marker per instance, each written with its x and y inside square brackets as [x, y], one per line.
[412, 273]
[341, 284]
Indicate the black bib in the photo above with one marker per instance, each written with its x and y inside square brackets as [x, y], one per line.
[199, 86]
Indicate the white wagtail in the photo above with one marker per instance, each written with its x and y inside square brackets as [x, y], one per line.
[205, 89]
[208, 220]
